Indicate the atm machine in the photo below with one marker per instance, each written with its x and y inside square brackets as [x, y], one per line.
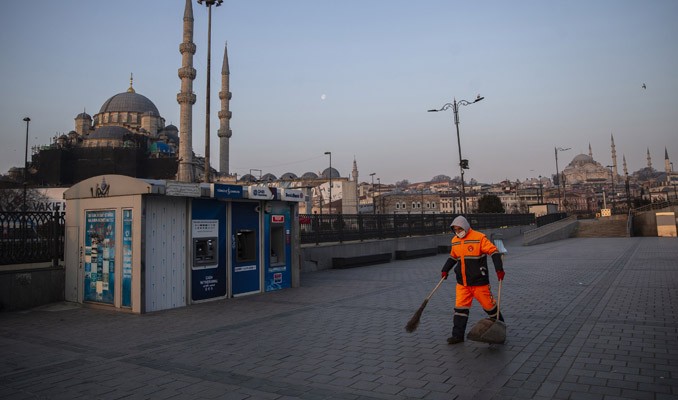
[208, 250]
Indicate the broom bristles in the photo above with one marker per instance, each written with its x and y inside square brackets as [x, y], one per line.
[413, 323]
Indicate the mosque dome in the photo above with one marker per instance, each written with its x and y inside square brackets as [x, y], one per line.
[309, 175]
[129, 101]
[582, 159]
[83, 115]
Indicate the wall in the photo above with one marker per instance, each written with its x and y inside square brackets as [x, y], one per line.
[27, 288]
[645, 223]
[319, 257]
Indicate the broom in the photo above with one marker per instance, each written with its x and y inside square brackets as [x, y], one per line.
[414, 321]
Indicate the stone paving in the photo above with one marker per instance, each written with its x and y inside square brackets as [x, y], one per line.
[591, 318]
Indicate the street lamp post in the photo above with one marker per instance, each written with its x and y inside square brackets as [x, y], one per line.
[463, 164]
[209, 4]
[379, 191]
[329, 203]
[560, 180]
[374, 209]
[27, 120]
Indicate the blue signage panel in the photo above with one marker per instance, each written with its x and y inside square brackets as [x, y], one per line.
[208, 263]
[222, 191]
[245, 247]
[100, 256]
[127, 257]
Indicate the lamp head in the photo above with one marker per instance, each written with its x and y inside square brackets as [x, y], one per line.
[26, 119]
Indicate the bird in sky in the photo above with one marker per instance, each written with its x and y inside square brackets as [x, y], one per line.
[644, 87]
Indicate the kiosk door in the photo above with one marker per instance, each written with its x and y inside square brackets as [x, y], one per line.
[245, 265]
[278, 271]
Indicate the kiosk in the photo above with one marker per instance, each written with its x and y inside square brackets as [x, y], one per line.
[141, 245]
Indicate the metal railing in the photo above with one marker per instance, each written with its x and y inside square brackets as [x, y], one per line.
[653, 206]
[316, 228]
[31, 237]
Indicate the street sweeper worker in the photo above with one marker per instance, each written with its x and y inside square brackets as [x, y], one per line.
[468, 257]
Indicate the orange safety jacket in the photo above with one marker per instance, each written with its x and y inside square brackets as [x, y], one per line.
[468, 256]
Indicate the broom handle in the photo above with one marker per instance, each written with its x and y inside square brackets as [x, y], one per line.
[434, 289]
[499, 298]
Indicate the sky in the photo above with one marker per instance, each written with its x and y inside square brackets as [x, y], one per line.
[356, 78]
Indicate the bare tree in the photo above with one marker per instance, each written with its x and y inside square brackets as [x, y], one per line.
[13, 199]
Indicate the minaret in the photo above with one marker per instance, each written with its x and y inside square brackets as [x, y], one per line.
[590, 152]
[224, 132]
[355, 170]
[667, 165]
[626, 171]
[186, 99]
[614, 161]
[649, 159]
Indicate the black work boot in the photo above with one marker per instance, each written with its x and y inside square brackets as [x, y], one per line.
[454, 340]
[459, 328]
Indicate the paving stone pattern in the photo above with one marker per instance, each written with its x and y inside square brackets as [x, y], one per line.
[587, 318]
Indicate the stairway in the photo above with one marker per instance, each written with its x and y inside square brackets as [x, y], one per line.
[601, 227]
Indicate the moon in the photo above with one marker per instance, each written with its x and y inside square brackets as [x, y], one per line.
[323, 97]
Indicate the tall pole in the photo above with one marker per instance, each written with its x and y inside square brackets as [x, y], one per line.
[329, 206]
[207, 95]
[374, 208]
[27, 120]
[379, 191]
[463, 164]
[209, 4]
[455, 109]
[560, 180]
[557, 177]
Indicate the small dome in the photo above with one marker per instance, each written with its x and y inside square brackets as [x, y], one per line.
[171, 133]
[129, 102]
[335, 173]
[309, 175]
[109, 132]
[268, 178]
[83, 115]
[288, 176]
[247, 178]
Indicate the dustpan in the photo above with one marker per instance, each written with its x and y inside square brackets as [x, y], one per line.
[489, 330]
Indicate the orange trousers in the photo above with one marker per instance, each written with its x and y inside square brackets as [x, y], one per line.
[466, 294]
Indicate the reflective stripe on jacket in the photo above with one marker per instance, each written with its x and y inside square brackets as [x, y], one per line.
[470, 256]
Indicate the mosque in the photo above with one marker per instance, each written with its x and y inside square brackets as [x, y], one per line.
[129, 136]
